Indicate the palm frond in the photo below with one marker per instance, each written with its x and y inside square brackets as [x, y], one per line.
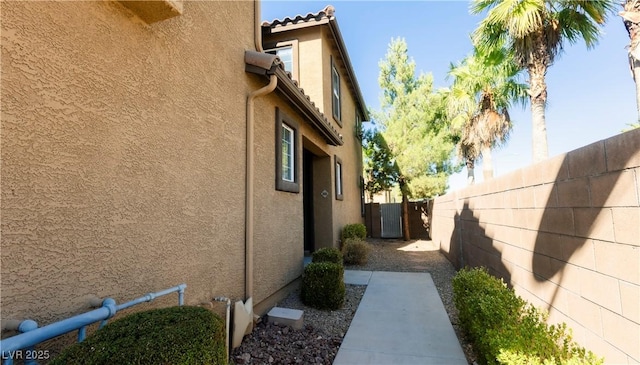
[575, 25]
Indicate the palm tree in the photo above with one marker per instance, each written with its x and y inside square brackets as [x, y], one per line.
[484, 86]
[536, 31]
[631, 18]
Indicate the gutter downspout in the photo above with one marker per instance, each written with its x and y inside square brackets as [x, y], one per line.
[243, 312]
[249, 220]
[249, 216]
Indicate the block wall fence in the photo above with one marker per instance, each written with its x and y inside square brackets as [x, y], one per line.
[565, 234]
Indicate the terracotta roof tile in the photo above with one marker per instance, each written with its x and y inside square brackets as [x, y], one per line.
[327, 12]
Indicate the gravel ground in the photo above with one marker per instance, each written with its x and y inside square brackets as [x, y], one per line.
[319, 341]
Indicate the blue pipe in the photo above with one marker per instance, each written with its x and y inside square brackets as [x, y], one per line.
[151, 296]
[32, 335]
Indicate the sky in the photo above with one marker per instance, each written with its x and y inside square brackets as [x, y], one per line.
[591, 94]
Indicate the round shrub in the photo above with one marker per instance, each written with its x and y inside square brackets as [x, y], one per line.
[327, 254]
[355, 251]
[174, 335]
[355, 230]
[323, 285]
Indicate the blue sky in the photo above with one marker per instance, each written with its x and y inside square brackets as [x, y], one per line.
[591, 95]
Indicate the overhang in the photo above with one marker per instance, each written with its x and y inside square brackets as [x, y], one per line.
[324, 16]
[266, 65]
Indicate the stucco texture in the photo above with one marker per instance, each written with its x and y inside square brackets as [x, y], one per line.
[122, 154]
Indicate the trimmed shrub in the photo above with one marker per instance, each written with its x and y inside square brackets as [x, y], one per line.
[327, 254]
[174, 335]
[355, 230]
[355, 251]
[323, 285]
[505, 329]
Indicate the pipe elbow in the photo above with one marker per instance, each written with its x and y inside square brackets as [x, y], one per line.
[27, 325]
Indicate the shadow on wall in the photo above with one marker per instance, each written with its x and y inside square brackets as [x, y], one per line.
[590, 181]
[479, 249]
[565, 233]
[568, 203]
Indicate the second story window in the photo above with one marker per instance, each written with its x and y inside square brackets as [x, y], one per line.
[358, 128]
[286, 56]
[335, 92]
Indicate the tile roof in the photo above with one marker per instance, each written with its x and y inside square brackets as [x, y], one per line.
[324, 16]
[325, 13]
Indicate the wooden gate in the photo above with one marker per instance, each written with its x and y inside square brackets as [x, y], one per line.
[385, 220]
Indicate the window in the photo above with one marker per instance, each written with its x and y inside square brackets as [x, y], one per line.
[358, 128]
[335, 92]
[287, 145]
[288, 53]
[338, 168]
[286, 56]
[362, 206]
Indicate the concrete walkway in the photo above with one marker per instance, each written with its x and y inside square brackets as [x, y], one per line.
[400, 320]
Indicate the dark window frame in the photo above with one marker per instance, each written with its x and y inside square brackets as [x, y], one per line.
[282, 184]
[336, 111]
[339, 177]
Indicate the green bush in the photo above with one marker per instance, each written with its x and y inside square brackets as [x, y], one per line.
[327, 254]
[505, 329]
[356, 230]
[355, 251]
[174, 335]
[323, 285]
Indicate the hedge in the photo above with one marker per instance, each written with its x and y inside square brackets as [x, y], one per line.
[168, 336]
[355, 251]
[323, 285]
[355, 230]
[327, 254]
[505, 329]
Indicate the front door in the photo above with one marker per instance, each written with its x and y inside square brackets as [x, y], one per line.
[307, 192]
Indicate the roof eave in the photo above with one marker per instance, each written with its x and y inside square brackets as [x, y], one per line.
[307, 108]
[293, 26]
[301, 102]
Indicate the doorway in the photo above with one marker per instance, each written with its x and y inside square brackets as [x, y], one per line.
[307, 196]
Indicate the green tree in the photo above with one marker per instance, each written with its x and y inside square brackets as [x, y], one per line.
[536, 31]
[414, 124]
[380, 168]
[485, 85]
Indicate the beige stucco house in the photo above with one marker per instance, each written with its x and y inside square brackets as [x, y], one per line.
[147, 144]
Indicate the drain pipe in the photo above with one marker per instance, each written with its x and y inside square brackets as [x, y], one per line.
[249, 216]
[249, 199]
[228, 315]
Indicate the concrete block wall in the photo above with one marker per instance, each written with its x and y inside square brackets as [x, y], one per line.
[565, 233]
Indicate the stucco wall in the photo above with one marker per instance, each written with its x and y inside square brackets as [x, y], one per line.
[565, 234]
[122, 154]
[279, 229]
